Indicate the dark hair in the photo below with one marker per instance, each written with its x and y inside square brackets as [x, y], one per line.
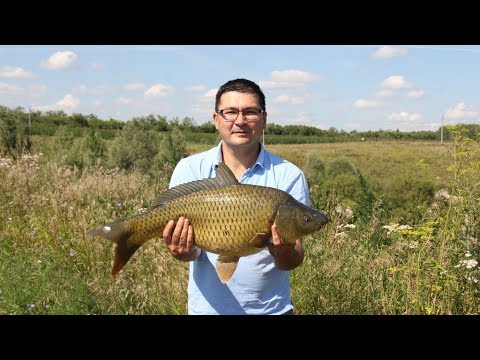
[243, 86]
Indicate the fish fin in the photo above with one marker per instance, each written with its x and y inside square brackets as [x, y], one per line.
[284, 222]
[117, 232]
[226, 266]
[223, 178]
[123, 253]
[260, 240]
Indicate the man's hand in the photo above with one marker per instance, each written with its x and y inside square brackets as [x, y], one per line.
[286, 256]
[179, 240]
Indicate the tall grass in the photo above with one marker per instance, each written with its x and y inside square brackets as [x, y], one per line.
[382, 268]
[355, 265]
[49, 266]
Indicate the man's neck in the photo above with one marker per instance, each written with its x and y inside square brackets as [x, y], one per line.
[239, 159]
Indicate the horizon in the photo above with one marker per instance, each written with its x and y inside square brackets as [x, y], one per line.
[346, 87]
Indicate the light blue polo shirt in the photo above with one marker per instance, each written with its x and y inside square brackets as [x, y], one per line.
[257, 286]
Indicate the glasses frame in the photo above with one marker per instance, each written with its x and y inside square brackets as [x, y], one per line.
[240, 111]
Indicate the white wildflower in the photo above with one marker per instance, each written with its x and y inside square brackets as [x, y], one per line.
[348, 213]
[467, 254]
[339, 209]
[72, 252]
[472, 279]
[413, 244]
[442, 195]
[389, 228]
[470, 264]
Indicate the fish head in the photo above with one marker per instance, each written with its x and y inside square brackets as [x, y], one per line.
[295, 220]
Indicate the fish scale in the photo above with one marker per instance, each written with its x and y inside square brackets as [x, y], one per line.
[229, 219]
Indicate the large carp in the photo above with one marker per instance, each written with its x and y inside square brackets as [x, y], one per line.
[229, 219]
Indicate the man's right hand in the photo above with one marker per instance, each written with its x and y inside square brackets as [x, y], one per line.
[180, 241]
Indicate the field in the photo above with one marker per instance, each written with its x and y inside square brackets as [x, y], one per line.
[403, 236]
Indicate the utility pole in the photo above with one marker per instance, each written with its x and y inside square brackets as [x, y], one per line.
[441, 131]
[29, 135]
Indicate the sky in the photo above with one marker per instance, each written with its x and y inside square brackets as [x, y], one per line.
[348, 87]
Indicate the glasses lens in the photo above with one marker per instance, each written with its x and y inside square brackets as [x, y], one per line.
[251, 114]
[230, 114]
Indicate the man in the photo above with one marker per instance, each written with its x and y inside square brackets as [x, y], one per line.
[261, 282]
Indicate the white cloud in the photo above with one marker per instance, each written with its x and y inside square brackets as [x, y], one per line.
[462, 111]
[68, 104]
[60, 60]
[416, 94]
[122, 100]
[15, 72]
[365, 104]
[395, 82]
[211, 93]
[294, 76]
[301, 118]
[404, 117]
[384, 94]
[288, 80]
[11, 90]
[158, 90]
[386, 52]
[37, 90]
[84, 89]
[195, 88]
[134, 86]
[287, 99]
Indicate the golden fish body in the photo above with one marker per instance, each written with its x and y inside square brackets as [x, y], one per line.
[228, 218]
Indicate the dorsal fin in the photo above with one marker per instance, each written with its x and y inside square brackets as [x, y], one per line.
[224, 177]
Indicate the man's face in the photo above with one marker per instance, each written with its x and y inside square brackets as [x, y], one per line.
[248, 127]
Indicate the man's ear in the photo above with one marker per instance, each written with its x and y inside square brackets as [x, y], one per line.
[215, 120]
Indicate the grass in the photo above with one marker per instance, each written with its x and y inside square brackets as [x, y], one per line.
[49, 266]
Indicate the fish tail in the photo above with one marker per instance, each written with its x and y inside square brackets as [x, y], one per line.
[118, 232]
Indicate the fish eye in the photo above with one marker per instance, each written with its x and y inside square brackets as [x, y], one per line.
[306, 218]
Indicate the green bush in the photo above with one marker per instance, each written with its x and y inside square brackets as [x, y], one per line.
[339, 166]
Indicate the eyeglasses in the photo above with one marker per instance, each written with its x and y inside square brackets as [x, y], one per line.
[231, 114]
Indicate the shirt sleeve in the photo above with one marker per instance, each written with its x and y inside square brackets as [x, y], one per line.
[297, 187]
[182, 173]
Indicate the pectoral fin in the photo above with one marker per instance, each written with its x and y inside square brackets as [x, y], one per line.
[226, 266]
[260, 240]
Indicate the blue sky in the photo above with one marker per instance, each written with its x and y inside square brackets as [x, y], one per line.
[349, 87]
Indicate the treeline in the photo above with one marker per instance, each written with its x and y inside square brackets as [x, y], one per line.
[17, 126]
